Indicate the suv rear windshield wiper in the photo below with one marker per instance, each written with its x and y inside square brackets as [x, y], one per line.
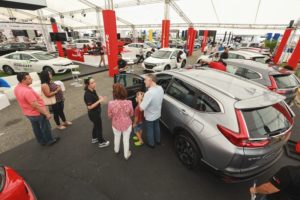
[276, 132]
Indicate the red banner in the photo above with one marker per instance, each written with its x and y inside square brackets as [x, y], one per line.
[58, 43]
[190, 40]
[204, 40]
[110, 29]
[165, 33]
[282, 44]
[295, 57]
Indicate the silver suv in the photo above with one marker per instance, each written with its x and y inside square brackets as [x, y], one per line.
[236, 126]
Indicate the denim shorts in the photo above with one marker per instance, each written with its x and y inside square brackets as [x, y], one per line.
[138, 127]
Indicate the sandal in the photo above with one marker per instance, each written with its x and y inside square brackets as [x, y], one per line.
[138, 143]
[61, 127]
[135, 138]
[67, 123]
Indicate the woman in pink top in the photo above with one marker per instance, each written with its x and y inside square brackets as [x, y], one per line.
[120, 111]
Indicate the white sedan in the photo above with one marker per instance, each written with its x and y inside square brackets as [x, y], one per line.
[33, 61]
[164, 59]
[135, 49]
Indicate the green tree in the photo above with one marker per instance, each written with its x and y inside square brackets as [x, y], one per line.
[271, 44]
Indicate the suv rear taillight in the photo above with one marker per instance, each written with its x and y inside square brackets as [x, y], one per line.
[273, 85]
[241, 139]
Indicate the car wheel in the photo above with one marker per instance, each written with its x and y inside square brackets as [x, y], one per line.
[187, 150]
[148, 54]
[49, 69]
[8, 70]
[167, 67]
[183, 63]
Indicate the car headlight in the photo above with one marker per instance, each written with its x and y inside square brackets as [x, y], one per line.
[2, 178]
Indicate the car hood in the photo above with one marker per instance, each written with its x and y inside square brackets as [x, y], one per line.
[58, 60]
[155, 60]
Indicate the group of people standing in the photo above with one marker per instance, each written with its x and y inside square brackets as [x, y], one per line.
[121, 112]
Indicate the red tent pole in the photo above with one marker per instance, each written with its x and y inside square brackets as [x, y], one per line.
[205, 34]
[58, 43]
[295, 57]
[110, 29]
[165, 33]
[282, 44]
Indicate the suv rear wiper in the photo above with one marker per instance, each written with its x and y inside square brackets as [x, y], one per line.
[276, 132]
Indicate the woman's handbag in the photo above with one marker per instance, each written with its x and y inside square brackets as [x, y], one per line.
[48, 100]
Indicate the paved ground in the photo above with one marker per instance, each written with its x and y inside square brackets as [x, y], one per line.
[75, 169]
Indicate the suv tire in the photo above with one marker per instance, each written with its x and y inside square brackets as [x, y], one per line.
[8, 70]
[187, 150]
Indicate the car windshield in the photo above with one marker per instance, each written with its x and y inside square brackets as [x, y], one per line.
[43, 56]
[286, 81]
[266, 121]
[161, 54]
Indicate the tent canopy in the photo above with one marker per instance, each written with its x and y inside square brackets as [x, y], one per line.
[81, 14]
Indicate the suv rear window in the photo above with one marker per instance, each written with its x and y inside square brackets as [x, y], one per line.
[265, 121]
[286, 81]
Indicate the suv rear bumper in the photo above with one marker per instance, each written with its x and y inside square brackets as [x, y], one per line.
[250, 172]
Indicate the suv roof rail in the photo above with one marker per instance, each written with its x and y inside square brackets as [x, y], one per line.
[218, 89]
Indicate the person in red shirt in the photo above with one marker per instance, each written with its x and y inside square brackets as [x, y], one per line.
[34, 109]
[138, 123]
[219, 65]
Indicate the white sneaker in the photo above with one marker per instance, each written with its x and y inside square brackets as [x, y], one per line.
[94, 140]
[129, 154]
[104, 144]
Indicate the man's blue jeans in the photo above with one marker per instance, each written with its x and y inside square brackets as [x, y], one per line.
[153, 132]
[41, 128]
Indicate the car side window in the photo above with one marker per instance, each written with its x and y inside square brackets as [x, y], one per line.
[174, 53]
[182, 92]
[232, 56]
[231, 69]
[240, 57]
[163, 80]
[26, 57]
[8, 46]
[16, 56]
[250, 74]
[240, 72]
[205, 103]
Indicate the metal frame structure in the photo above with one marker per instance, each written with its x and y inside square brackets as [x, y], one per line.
[167, 3]
[200, 25]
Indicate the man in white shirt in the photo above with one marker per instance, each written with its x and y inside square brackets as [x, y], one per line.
[151, 105]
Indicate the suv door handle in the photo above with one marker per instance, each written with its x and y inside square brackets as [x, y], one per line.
[183, 112]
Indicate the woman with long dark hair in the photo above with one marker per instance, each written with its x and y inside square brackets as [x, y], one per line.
[50, 89]
[93, 103]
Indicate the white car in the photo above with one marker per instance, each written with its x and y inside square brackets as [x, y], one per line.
[79, 43]
[135, 48]
[164, 59]
[246, 55]
[33, 61]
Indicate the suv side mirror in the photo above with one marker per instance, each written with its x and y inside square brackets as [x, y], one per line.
[173, 57]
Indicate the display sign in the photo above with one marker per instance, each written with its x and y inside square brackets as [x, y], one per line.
[60, 36]
[24, 4]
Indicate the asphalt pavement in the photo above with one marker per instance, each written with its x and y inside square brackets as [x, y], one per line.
[75, 169]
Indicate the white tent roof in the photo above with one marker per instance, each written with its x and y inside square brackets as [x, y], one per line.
[210, 12]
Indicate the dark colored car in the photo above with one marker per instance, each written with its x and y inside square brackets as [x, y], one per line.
[12, 47]
[279, 80]
[13, 186]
